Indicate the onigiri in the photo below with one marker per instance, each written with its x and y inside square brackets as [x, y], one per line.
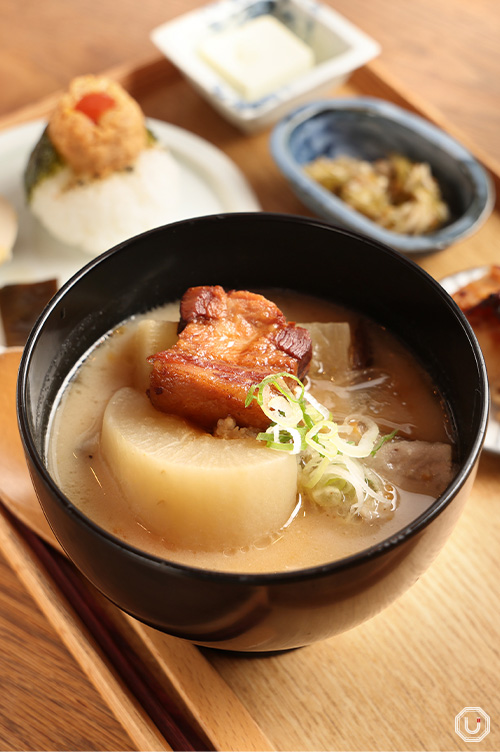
[98, 176]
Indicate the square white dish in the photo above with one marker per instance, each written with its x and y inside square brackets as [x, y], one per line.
[339, 48]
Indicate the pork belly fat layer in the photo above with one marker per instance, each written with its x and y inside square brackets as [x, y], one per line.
[227, 342]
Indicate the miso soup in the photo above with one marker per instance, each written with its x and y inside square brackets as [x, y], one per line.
[358, 368]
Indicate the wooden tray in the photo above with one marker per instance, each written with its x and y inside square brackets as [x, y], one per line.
[395, 683]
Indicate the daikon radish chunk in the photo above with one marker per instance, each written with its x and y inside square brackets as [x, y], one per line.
[192, 488]
[152, 336]
[331, 347]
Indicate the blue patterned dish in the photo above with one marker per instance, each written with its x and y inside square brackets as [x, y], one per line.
[339, 48]
[369, 128]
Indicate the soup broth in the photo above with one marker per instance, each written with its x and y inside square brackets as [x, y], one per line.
[387, 384]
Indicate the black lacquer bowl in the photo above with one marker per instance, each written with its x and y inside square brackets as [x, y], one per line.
[265, 611]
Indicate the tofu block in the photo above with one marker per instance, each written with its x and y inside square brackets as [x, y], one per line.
[258, 57]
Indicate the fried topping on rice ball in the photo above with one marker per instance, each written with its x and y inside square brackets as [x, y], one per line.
[97, 127]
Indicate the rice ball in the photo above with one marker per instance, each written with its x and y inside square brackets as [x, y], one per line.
[97, 214]
[97, 176]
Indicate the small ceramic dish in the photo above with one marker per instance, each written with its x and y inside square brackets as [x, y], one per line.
[339, 48]
[368, 128]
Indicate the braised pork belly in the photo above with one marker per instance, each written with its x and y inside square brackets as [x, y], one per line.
[227, 342]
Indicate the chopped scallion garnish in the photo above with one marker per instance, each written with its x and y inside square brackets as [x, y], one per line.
[329, 453]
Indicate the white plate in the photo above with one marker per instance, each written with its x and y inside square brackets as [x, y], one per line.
[210, 183]
[451, 284]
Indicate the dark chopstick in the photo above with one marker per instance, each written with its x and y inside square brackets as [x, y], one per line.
[153, 698]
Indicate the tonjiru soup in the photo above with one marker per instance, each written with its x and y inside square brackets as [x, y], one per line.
[229, 502]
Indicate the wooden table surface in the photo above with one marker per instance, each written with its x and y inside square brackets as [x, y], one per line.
[446, 52]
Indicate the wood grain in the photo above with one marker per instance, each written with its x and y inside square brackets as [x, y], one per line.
[398, 681]
[75, 637]
[199, 688]
[46, 701]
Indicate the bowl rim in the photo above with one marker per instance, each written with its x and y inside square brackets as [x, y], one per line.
[362, 48]
[331, 207]
[360, 558]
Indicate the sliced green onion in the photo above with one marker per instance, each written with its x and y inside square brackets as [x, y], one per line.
[322, 410]
[330, 471]
[382, 441]
[365, 445]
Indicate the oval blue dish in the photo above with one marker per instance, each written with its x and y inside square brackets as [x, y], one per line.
[368, 128]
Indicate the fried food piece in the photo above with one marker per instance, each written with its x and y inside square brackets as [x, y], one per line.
[227, 342]
[477, 291]
[480, 301]
[97, 128]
